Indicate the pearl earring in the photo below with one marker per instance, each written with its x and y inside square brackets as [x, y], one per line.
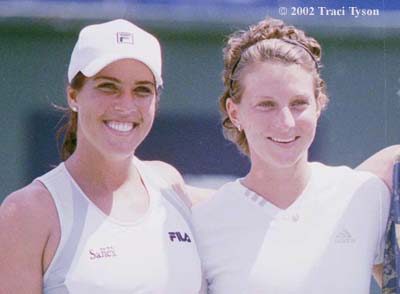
[74, 109]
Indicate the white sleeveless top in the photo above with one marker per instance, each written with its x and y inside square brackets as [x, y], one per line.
[98, 254]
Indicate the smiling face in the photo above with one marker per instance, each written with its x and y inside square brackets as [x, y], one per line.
[278, 113]
[116, 109]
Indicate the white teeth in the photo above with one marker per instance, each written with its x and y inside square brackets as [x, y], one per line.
[120, 126]
[283, 140]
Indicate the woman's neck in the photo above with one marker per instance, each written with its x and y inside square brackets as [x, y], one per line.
[95, 170]
[114, 186]
[279, 185]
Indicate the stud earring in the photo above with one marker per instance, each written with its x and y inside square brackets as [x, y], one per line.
[74, 109]
[239, 128]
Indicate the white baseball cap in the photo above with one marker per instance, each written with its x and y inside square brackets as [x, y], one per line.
[99, 45]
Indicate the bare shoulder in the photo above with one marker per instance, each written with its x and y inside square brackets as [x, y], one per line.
[27, 217]
[200, 195]
[167, 171]
[381, 163]
[190, 194]
[27, 208]
[28, 197]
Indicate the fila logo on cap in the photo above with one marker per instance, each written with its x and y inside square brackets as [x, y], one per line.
[124, 38]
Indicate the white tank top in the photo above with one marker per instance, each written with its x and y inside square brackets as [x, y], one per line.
[98, 254]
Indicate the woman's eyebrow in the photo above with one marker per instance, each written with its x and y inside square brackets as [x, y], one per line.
[107, 78]
[145, 83]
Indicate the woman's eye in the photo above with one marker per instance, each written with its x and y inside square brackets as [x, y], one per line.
[143, 91]
[107, 87]
[300, 103]
[266, 104]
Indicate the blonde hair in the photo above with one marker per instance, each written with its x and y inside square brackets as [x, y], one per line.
[269, 40]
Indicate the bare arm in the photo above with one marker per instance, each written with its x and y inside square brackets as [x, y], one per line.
[377, 272]
[381, 163]
[23, 236]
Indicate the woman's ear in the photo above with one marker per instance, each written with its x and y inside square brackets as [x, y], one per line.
[233, 112]
[320, 105]
[72, 98]
[319, 110]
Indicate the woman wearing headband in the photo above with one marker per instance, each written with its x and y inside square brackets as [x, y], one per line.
[103, 221]
[290, 225]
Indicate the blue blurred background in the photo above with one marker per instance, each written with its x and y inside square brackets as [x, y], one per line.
[361, 68]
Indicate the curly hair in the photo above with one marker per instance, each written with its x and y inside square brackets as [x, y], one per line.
[269, 40]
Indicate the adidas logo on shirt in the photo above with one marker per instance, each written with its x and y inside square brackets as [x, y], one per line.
[344, 237]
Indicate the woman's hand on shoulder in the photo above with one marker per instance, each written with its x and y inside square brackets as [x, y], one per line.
[24, 231]
[381, 163]
[190, 195]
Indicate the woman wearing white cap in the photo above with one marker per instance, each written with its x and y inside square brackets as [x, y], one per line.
[290, 225]
[103, 221]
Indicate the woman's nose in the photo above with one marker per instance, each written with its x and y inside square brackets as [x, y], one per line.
[126, 103]
[286, 119]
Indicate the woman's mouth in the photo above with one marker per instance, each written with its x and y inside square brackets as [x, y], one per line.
[284, 140]
[124, 127]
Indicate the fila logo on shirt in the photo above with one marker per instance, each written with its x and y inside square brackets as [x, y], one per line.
[178, 236]
[124, 38]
